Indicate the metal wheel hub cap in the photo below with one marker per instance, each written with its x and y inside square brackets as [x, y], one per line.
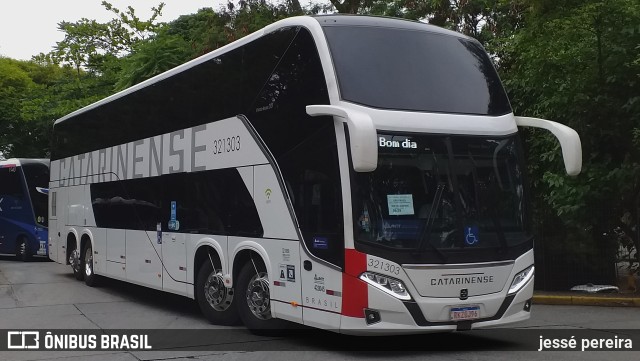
[217, 295]
[74, 260]
[258, 298]
[88, 264]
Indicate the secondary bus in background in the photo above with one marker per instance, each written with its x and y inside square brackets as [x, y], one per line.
[358, 174]
[23, 207]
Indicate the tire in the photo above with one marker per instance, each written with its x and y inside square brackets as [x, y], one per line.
[90, 278]
[22, 249]
[215, 300]
[254, 303]
[77, 265]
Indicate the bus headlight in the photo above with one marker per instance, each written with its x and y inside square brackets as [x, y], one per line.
[521, 279]
[392, 286]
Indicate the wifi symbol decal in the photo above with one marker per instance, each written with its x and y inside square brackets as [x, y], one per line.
[267, 193]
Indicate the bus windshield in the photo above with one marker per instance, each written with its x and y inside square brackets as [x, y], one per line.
[442, 192]
[414, 70]
[37, 177]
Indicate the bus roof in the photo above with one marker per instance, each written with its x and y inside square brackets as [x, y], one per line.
[323, 20]
[383, 22]
[17, 162]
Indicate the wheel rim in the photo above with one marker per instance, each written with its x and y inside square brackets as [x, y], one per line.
[74, 260]
[217, 295]
[88, 264]
[258, 298]
[23, 248]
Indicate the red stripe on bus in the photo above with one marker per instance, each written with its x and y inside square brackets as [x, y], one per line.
[355, 297]
[355, 262]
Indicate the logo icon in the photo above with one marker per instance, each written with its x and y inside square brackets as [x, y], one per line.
[464, 294]
[267, 193]
[23, 340]
[471, 235]
[291, 273]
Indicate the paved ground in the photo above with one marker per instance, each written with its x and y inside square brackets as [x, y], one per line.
[44, 295]
[587, 299]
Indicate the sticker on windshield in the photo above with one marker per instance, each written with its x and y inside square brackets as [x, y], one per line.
[471, 235]
[400, 204]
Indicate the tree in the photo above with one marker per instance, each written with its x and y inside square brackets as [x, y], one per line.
[93, 46]
[152, 58]
[32, 96]
[15, 83]
[576, 62]
[193, 35]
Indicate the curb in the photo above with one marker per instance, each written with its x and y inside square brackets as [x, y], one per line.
[586, 300]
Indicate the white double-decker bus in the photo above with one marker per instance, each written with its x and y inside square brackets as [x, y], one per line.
[358, 174]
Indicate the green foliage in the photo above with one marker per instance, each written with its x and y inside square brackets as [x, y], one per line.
[196, 34]
[575, 62]
[15, 83]
[87, 43]
[151, 58]
[32, 96]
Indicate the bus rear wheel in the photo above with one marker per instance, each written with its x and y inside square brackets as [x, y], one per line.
[90, 278]
[215, 300]
[254, 300]
[75, 260]
[22, 249]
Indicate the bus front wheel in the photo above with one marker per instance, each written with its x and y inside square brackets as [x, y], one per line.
[22, 249]
[215, 300]
[254, 300]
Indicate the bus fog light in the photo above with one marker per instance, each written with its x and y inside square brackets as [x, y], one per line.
[389, 285]
[521, 279]
[371, 316]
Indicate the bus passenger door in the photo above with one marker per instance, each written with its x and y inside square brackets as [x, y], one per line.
[53, 225]
[60, 233]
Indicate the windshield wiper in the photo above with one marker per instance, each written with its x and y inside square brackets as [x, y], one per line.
[483, 197]
[425, 236]
[490, 201]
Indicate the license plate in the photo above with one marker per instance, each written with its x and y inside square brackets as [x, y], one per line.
[465, 313]
[43, 249]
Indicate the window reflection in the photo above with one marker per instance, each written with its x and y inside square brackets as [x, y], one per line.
[449, 193]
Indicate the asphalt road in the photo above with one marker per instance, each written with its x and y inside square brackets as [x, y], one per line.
[42, 295]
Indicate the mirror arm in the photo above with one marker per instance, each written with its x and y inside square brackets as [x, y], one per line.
[362, 134]
[568, 138]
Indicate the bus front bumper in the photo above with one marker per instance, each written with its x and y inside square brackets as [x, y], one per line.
[393, 316]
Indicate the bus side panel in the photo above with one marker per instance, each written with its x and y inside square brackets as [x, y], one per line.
[142, 261]
[54, 192]
[89, 218]
[219, 245]
[174, 259]
[116, 242]
[99, 250]
[53, 223]
[271, 205]
[286, 282]
[321, 294]
[283, 267]
[60, 234]
[76, 205]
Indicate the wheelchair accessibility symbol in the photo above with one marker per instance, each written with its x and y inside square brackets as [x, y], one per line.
[471, 235]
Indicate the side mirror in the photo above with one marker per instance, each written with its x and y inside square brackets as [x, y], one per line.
[362, 134]
[569, 141]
